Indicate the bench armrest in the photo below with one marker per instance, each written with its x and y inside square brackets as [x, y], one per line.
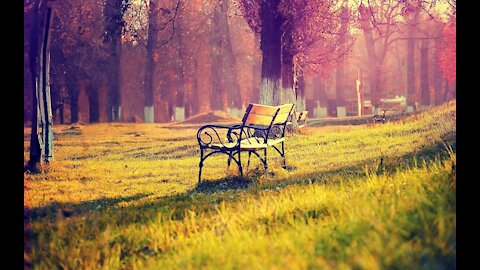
[209, 134]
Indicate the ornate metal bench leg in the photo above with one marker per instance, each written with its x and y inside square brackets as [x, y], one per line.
[200, 166]
[265, 162]
[283, 156]
[240, 169]
[249, 154]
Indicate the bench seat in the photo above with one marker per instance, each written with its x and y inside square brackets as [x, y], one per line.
[248, 144]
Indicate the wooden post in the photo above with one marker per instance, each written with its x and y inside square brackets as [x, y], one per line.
[359, 92]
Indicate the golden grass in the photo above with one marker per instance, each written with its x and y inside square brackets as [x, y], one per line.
[126, 196]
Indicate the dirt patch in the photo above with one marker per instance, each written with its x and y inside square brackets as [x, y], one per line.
[210, 117]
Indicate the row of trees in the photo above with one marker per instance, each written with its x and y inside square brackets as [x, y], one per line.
[158, 61]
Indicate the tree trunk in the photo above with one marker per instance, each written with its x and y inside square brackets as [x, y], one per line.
[411, 98]
[46, 105]
[93, 102]
[61, 113]
[180, 78]
[73, 92]
[229, 60]
[300, 93]
[114, 77]
[339, 74]
[425, 94]
[340, 93]
[150, 65]
[287, 93]
[256, 71]
[195, 100]
[374, 67]
[113, 14]
[35, 148]
[218, 95]
[320, 97]
[270, 45]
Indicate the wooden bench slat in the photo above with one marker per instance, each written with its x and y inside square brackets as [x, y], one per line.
[258, 119]
[262, 109]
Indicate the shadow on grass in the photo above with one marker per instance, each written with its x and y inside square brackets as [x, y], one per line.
[206, 195]
[52, 211]
[98, 215]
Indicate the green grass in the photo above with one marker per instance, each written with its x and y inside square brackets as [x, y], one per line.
[125, 196]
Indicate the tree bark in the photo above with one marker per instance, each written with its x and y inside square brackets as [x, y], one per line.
[270, 45]
[46, 105]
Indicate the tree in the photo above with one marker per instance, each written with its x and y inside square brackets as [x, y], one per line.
[41, 145]
[448, 52]
[114, 26]
[293, 34]
[225, 83]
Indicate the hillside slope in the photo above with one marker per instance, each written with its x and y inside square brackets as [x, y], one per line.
[126, 196]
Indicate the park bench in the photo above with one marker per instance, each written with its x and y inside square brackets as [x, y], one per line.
[262, 127]
[300, 117]
[377, 118]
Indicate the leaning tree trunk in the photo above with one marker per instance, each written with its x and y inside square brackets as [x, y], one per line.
[270, 45]
[35, 148]
[425, 94]
[41, 145]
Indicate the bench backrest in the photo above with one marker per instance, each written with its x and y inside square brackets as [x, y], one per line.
[302, 116]
[283, 114]
[259, 114]
[266, 116]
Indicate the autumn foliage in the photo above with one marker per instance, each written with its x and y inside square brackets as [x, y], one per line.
[448, 54]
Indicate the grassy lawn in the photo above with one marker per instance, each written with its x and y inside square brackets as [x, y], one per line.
[125, 196]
